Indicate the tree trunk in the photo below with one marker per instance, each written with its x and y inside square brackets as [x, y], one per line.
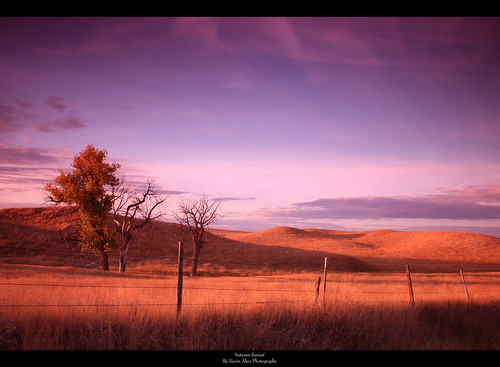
[105, 261]
[123, 257]
[122, 264]
[196, 253]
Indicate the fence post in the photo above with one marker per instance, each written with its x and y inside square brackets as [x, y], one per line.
[465, 284]
[179, 277]
[324, 281]
[410, 287]
[316, 289]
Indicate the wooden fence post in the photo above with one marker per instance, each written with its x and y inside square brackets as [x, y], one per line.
[324, 281]
[179, 277]
[465, 284]
[410, 287]
[316, 289]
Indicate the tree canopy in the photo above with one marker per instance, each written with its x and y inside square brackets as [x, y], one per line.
[89, 186]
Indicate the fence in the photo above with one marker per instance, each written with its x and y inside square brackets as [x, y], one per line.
[310, 294]
[362, 289]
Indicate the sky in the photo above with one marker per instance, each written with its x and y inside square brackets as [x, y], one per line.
[337, 123]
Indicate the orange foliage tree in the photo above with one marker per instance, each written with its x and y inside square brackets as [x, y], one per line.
[89, 186]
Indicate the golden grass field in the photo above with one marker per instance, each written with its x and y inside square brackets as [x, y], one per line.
[54, 308]
[256, 291]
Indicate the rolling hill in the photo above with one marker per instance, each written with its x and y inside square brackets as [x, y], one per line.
[388, 249]
[43, 236]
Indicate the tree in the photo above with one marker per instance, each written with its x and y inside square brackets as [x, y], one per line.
[89, 186]
[197, 214]
[133, 208]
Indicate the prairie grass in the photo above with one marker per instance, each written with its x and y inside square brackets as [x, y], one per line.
[450, 326]
[49, 308]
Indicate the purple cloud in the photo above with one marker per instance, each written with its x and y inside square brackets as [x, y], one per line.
[13, 116]
[20, 179]
[21, 113]
[8, 121]
[56, 103]
[20, 155]
[70, 122]
[478, 202]
[437, 43]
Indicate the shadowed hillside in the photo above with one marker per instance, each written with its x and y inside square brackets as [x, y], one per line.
[45, 236]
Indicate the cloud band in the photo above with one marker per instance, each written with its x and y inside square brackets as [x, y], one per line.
[479, 202]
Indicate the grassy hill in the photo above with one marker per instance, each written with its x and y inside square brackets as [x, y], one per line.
[43, 236]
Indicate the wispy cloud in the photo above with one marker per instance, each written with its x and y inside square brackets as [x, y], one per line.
[66, 123]
[236, 198]
[20, 114]
[172, 192]
[24, 171]
[22, 155]
[239, 82]
[7, 122]
[12, 116]
[206, 29]
[18, 179]
[56, 103]
[436, 43]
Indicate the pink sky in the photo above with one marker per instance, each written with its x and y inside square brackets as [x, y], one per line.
[342, 123]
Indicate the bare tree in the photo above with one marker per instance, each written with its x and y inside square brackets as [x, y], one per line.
[197, 214]
[133, 208]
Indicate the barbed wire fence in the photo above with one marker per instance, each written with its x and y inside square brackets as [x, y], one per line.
[315, 286]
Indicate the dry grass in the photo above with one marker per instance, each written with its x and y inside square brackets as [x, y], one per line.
[362, 311]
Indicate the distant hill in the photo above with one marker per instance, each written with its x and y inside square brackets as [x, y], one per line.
[44, 236]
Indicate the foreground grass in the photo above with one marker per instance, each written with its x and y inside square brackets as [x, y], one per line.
[44, 308]
[432, 326]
